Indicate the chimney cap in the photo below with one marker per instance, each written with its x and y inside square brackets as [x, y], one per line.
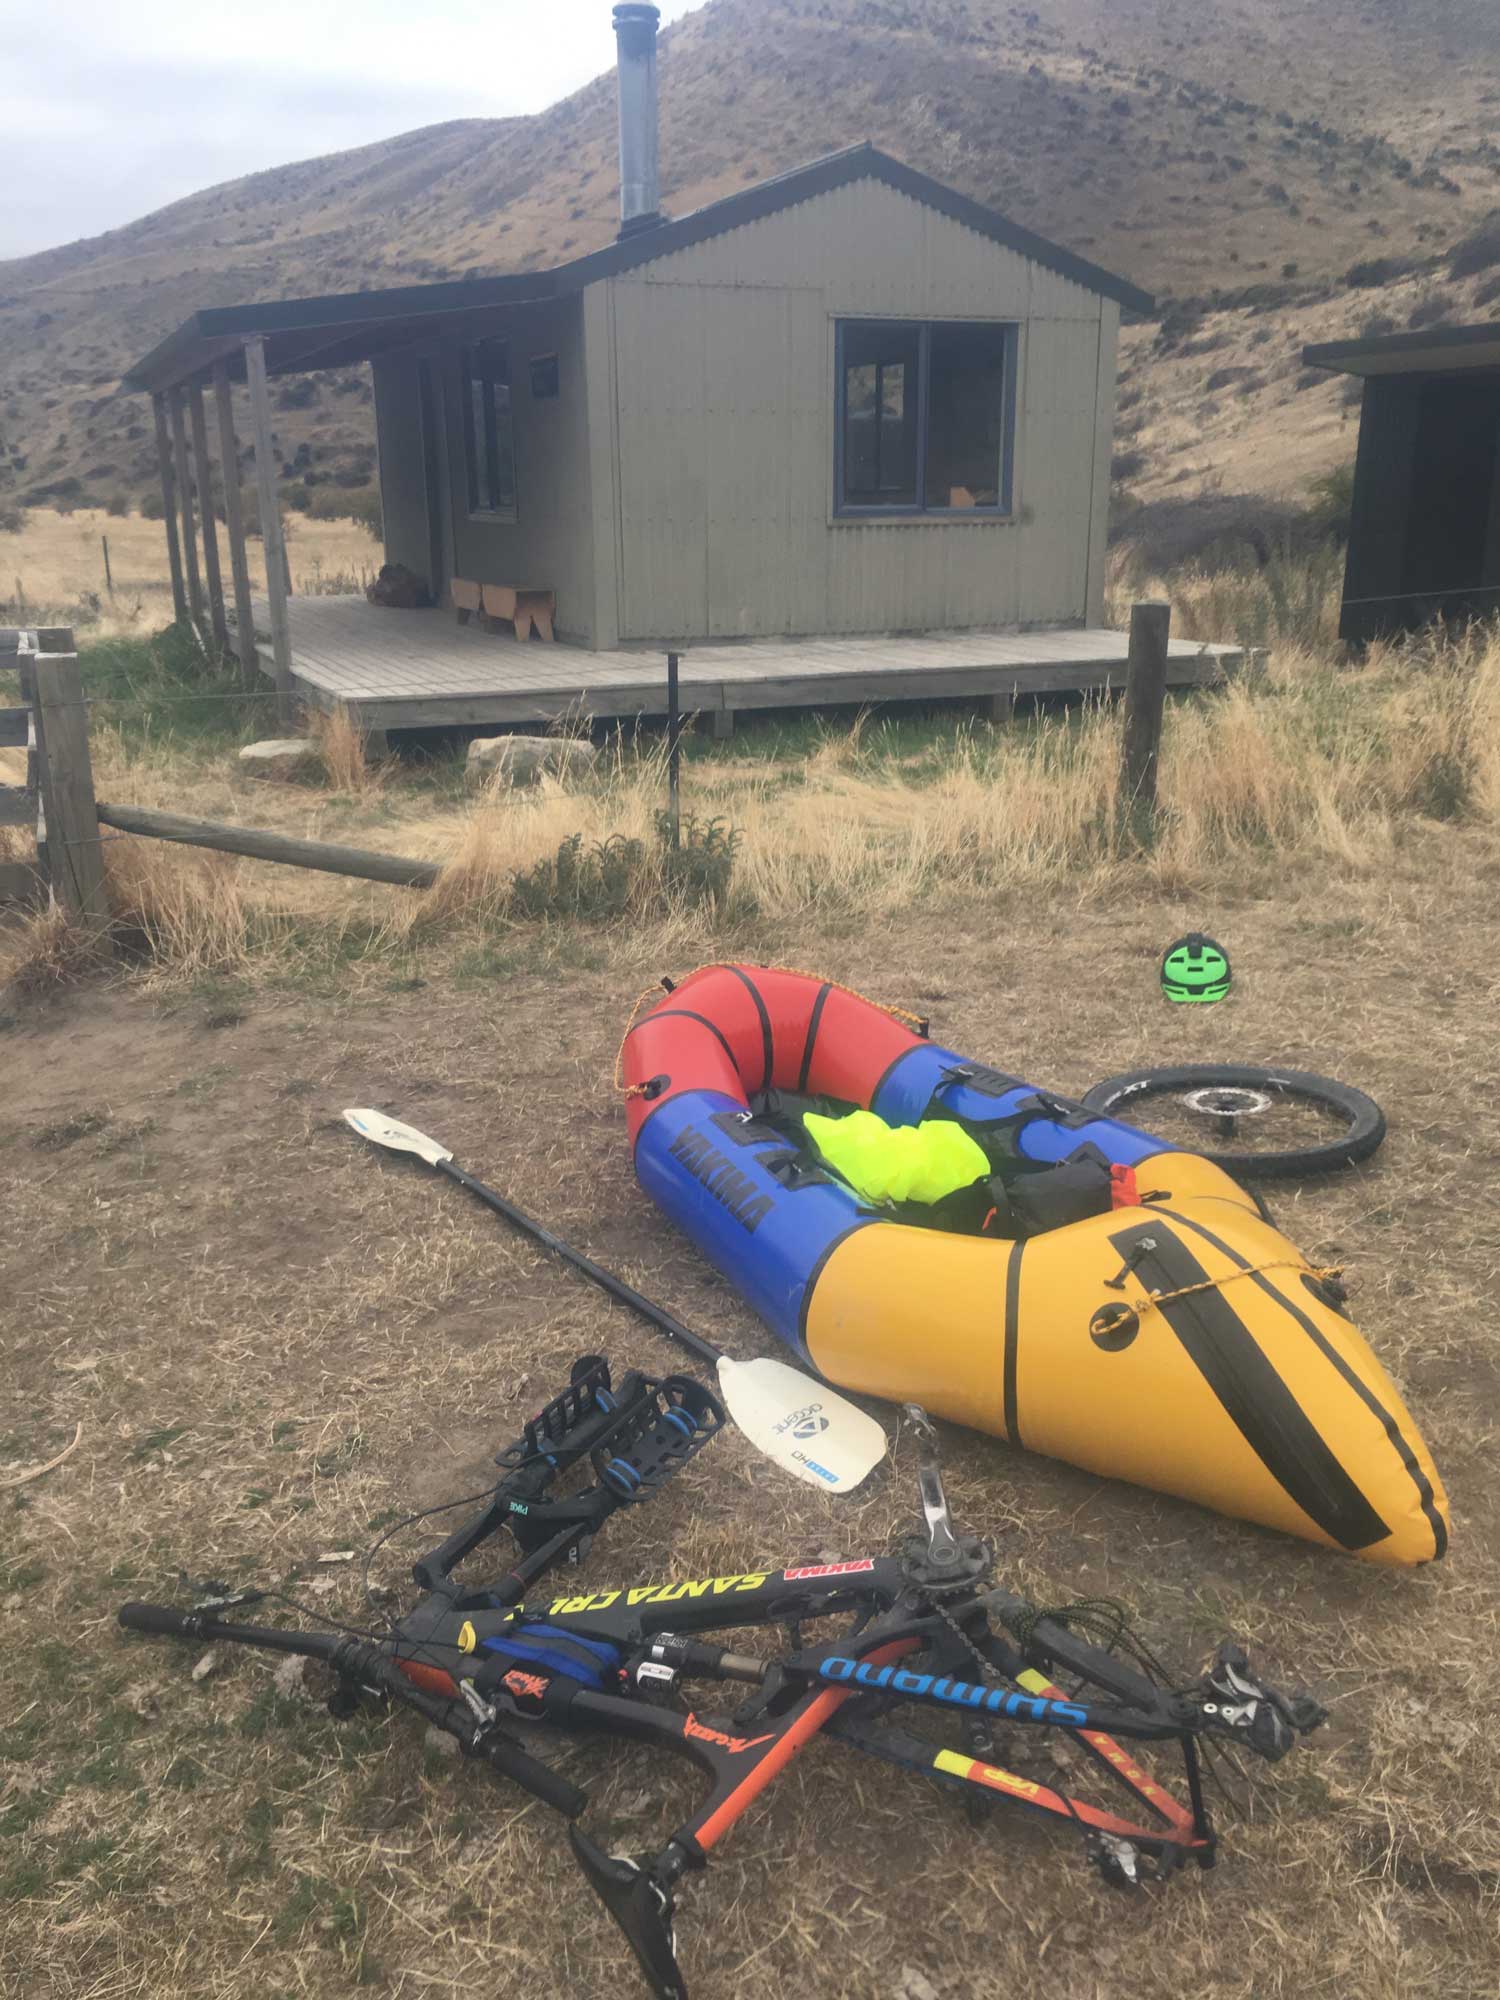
[636, 22]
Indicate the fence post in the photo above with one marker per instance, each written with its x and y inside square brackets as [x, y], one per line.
[66, 778]
[1145, 700]
[674, 754]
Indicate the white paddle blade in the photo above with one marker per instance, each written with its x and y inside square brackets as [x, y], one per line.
[808, 1428]
[396, 1137]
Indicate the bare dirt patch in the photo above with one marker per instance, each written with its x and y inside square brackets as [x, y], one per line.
[275, 1341]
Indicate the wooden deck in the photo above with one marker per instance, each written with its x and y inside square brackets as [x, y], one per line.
[422, 670]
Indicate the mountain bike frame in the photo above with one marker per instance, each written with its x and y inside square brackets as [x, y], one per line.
[922, 1632]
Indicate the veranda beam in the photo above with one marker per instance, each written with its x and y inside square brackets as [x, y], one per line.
[272, 539]
[234, 522]
[203, 474]
[185, 507]
[169, 505]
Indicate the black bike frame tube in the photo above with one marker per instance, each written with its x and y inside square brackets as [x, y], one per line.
[626, 1295]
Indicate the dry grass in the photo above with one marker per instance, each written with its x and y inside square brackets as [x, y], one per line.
[1304, 761]
[52, 572]
[274, 1341]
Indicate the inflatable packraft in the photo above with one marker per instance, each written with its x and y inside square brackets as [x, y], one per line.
[1102, 1297]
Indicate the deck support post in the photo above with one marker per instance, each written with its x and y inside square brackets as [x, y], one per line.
[185, 507]
[1145, 701]
[1000, 706]
[203, 474]
[169, 505]
[721, 724]
[273, 542]
[234, 523]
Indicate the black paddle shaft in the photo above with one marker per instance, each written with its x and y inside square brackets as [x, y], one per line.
[617, 1288]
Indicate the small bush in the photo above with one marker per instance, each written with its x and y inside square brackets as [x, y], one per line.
[1478, 251]
[1244, 379]
[598, 881]
[298, 394]
[1332, 502]
[153, 507]
[341, 504]
[1429, 312]
[1127, 465]
[12, 519]
[1373, 271]
[117, 505]
[699, 868]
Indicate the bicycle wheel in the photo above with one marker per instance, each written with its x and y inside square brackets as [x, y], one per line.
[1283, 1122]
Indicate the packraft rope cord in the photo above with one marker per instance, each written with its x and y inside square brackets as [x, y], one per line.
[793, 971]
[1323, 1272]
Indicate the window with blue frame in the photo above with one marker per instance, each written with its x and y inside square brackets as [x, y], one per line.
[924, 416]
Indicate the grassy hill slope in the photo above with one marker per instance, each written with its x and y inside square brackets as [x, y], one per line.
[1203, 148]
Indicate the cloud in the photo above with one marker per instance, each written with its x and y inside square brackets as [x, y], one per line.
[126, 109]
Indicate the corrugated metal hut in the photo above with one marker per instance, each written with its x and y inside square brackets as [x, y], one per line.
[846, 400]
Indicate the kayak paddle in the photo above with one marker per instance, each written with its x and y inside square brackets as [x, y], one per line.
[803, 1425]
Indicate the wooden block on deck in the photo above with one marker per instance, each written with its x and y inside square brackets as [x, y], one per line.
[526, 610]
[466, 598]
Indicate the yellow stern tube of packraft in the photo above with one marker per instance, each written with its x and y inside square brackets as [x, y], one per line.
[1082, 1368]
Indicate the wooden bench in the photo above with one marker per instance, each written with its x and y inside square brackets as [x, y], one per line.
[527, 611]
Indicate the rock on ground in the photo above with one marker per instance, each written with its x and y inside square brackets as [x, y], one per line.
[522, 760]
[281, 757]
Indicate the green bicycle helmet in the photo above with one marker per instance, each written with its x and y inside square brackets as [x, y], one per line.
[1195, 970]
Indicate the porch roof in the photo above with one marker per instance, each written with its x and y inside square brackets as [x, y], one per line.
[348, 327]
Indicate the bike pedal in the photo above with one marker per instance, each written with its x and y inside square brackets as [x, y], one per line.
[664, 1425]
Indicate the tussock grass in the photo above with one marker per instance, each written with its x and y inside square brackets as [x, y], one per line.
[1305, 757]
[341, 745]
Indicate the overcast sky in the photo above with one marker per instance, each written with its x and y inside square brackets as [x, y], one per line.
[116, 109]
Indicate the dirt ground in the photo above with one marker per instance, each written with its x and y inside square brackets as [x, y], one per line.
[275, 1342]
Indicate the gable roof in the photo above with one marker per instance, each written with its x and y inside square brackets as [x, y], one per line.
[305, 333]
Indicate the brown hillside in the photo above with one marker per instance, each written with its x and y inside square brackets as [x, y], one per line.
[1198, 146]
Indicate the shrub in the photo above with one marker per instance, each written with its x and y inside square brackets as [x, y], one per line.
[345, 504]
[153, 507]
[298, 394]
[12, 519]
[1245, 379]
[1127, 465]
[1430, 311]
[1373, 271]
[1332, 502]
[118, 505]
[699, 868]
[1478, 251]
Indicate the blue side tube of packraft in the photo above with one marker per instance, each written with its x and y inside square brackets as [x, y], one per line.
[928, 1077]
[769, 1240]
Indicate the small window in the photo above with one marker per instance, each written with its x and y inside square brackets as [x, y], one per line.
[924, 416]
[489, 434]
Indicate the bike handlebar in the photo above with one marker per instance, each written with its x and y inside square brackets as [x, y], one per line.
[162, 1620]
[376, 1670]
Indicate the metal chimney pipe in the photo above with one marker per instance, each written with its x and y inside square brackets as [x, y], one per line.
[640, 192]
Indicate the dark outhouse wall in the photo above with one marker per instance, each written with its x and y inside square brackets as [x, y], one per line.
[1425, 531]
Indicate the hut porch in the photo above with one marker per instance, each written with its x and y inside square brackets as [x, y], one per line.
[422, 670]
